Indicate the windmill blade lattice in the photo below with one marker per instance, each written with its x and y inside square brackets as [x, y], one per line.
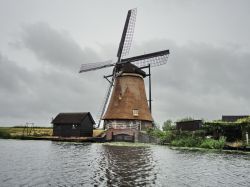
[154, 59]
[95, 66]
[105, 101]
[127, 35]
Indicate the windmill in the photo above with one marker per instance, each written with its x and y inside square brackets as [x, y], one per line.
[128, 106]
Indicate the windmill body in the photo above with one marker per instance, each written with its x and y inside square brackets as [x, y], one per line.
[125, 110]
[128, 105]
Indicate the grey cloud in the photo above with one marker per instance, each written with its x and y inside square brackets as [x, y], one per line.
[199, 80]
[57, 48]
[12, 76]
[201, 68]
[42, 93]
[39, 95]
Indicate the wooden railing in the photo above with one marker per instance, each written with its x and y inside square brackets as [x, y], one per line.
[122, 126]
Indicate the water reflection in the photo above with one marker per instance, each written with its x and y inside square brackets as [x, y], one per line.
[44, 163]
[125, 166]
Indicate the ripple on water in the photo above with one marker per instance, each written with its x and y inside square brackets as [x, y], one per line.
[44, 163]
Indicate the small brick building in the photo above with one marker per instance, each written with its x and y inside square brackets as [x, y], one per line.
[73, 125]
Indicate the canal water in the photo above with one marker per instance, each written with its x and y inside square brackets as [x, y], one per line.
[45, 163]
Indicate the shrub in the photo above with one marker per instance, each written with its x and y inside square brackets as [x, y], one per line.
[200, 133]
[168, 125]
[187, 141]
[4, 134]
[213, 144]
[155, 132]
[185, 119]
[163, 136]
[167, 137]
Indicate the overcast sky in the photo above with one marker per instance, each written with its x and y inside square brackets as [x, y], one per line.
[43, 43]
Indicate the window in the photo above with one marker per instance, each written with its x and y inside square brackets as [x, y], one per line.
[135, 112]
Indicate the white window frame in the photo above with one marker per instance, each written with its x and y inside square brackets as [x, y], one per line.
[135, 112]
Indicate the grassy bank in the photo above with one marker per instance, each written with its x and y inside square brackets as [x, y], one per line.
[20, 132]
[187, 139]
[197, 149]
[126, 144]
[199, 142]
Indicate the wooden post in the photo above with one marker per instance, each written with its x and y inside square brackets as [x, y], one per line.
[247, 137]
[150, 99]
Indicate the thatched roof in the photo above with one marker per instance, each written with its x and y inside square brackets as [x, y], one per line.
[128, 94]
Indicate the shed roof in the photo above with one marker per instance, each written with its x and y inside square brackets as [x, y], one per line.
[189, 121]
[72, 118]
[233, 118]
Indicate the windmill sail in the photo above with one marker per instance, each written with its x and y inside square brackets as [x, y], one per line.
[127, 34]
[154, 59]
[95, 66]
[105, 101]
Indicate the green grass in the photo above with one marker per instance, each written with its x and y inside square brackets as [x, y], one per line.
[126, 144]
[187, 139]
[199, 142]
[4, 133]
[213, 144]
[16, 132]
[187, 142]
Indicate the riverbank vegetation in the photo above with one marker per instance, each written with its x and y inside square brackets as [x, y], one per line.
[126, 144]
[187, 139]
[19, 132]
[211, 135]
[22, 132]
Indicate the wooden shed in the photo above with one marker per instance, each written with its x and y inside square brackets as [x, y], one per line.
[73, 125]
[191, 125]
[233, 118]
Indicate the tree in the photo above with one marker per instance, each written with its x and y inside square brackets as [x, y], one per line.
[167, 125]
[186, 119]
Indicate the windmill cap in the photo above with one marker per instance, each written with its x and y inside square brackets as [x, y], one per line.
[130, 68]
